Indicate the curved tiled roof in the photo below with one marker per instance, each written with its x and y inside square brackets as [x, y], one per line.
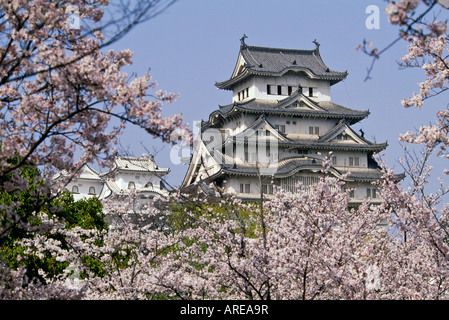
[137, 165]
[289, 166]
[326, 109]
[277, 61]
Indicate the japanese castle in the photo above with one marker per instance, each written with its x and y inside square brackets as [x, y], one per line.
[141, 175]
[278, 129]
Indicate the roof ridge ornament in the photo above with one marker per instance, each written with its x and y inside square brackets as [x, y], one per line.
[316, 43]
[242, 41]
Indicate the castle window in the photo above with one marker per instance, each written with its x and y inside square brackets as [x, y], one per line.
[295, 184]
[268, 89]
[243, 94]
[245, 188]
[279, 90]
[131, 185]
[354, 161]
[315, 130]
[311, 91]
[371, 193]
[75, 189]
[267, 188]
[334, 160]
[280, 128]
[149, 185]
[290, 89]
[91, 190]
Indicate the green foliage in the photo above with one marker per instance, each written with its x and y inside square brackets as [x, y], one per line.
[28, 203]
[84, 213]
[25, 202]
[184, 215]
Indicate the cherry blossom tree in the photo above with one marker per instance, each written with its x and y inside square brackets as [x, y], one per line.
[59, 95]
[65, 100]
[397, 250]
[309, 245]
[419, 217]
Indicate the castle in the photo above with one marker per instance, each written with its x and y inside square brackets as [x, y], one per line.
[278, 129]
[141, 175]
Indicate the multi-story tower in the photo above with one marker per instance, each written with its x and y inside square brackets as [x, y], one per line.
[279, 127]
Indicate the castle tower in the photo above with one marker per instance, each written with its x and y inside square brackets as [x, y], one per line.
[279, 127]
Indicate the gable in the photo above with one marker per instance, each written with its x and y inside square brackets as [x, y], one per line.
[240, 66]
[261, 129]
[345, 135]
[302, 105]
[299, 102]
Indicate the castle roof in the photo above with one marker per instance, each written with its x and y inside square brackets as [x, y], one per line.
[87, 173]
[324, 142]
[135, 164]
[290, 166]
[297, 104]
[264, 61]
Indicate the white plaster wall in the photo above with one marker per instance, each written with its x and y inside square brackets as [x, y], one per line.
[250, 84]
[343, 158]
[232, 186]
[122, 179]
[322, 88]
[238, 125]
[257, 87]
[300, 130]
[360, 191]
[83, 188]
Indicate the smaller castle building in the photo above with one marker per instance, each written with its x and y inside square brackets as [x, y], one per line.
[141, 175]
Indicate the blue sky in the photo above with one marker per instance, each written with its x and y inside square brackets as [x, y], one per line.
[195, 43]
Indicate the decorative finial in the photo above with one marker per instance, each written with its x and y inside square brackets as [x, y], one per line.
[316, 43]
[242, 40]
[362, 133]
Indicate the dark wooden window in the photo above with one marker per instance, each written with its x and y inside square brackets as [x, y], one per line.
[310, 92]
